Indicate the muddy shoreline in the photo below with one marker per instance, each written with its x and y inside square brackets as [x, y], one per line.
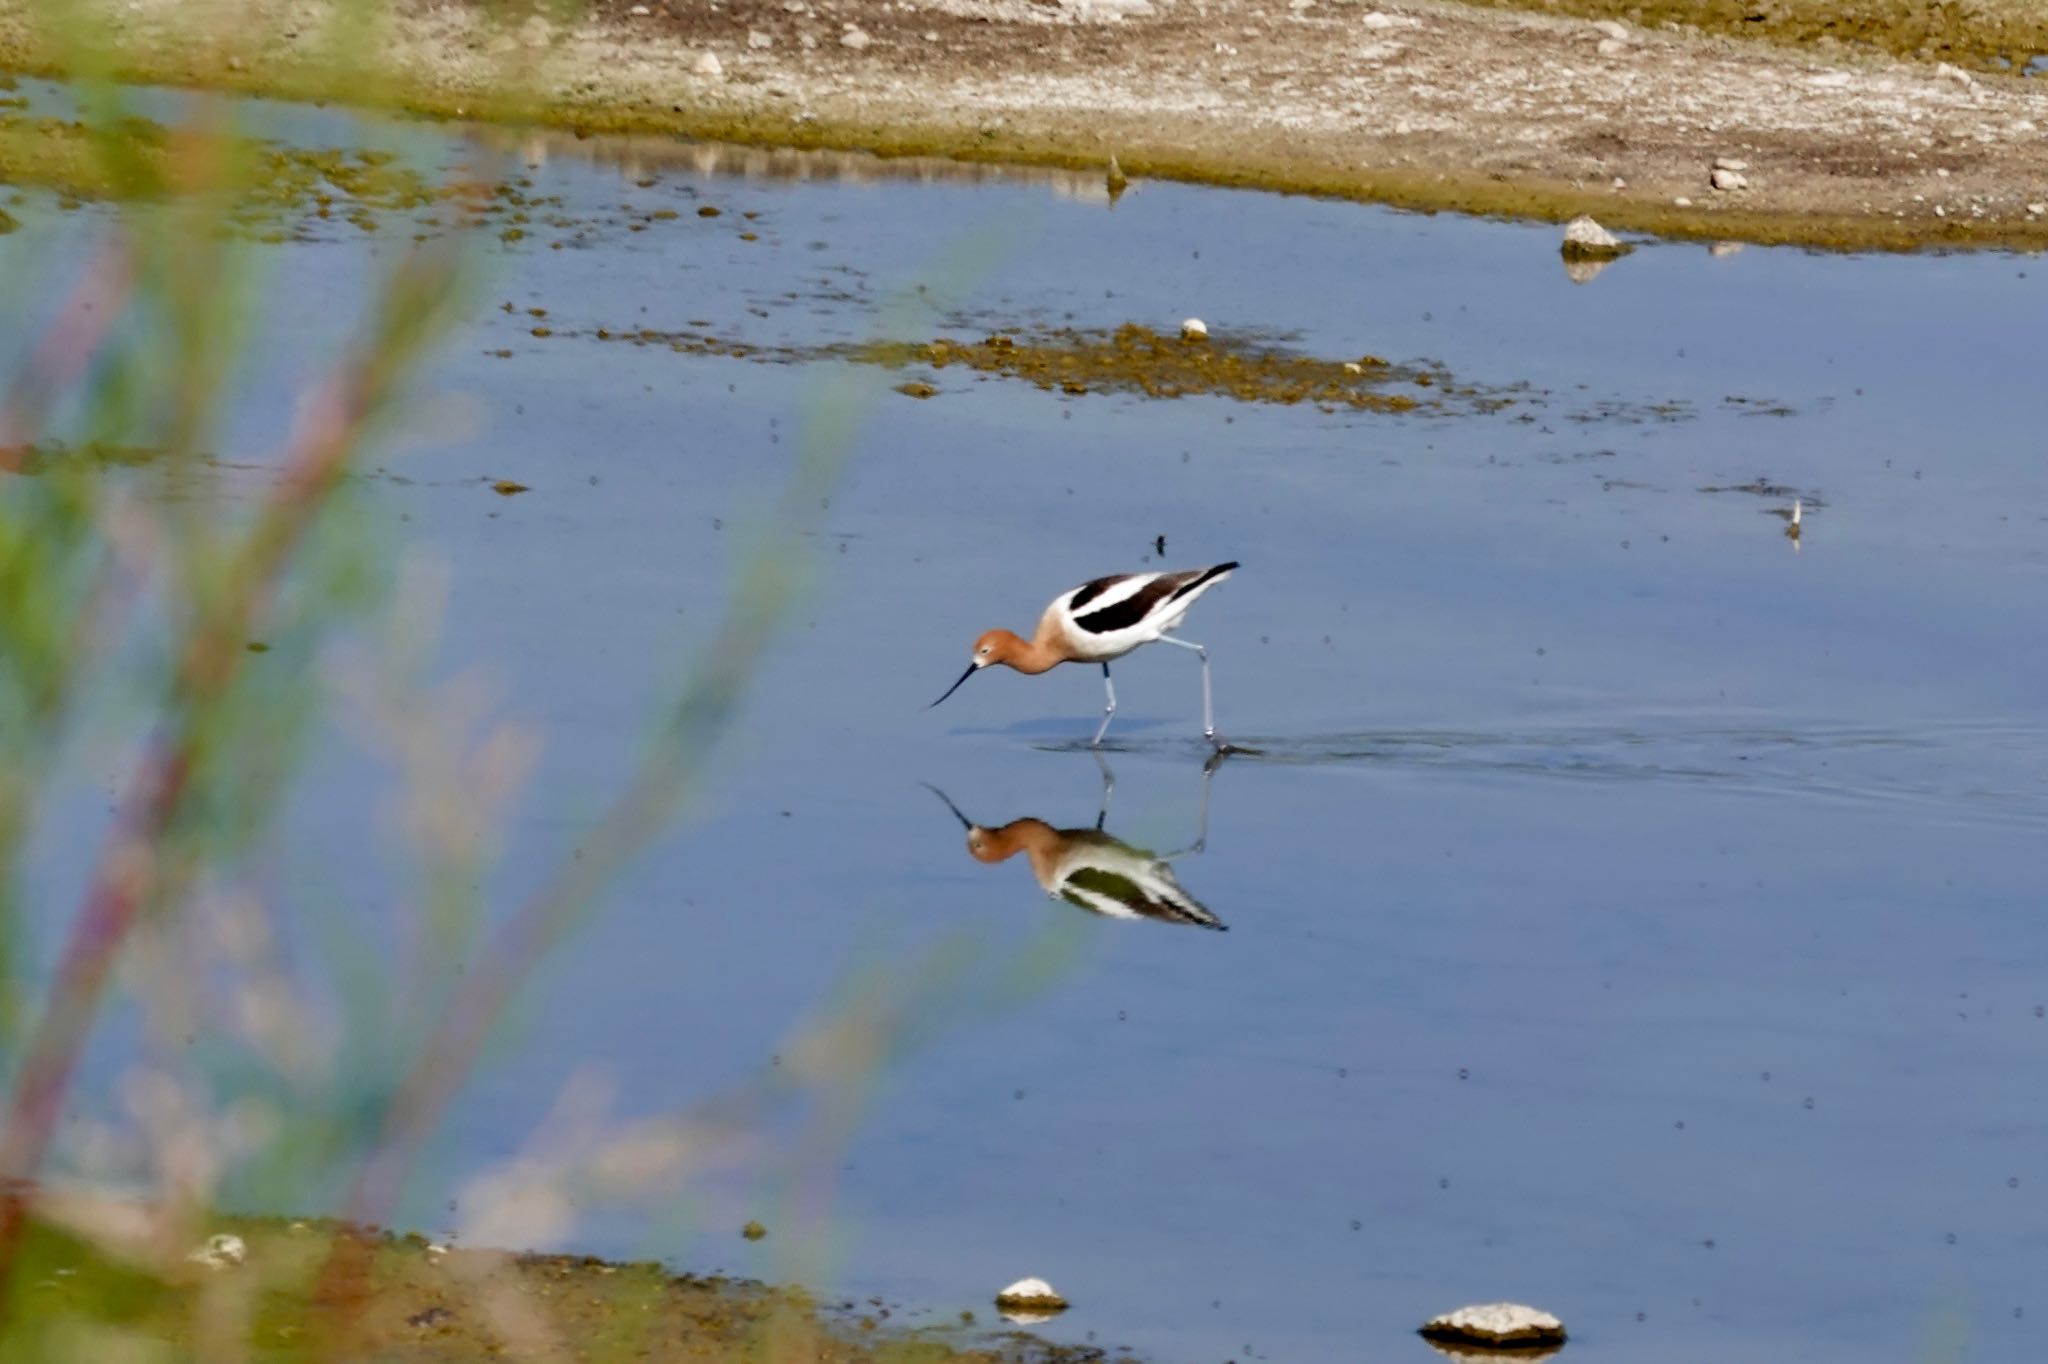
[256, 1287]
[1416, 103]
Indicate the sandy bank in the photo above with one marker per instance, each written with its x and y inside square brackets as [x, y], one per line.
[1411, 102]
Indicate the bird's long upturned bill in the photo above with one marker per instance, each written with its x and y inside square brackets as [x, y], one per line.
[971, 670]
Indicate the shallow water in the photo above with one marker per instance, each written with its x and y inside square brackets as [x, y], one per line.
[1630, 911]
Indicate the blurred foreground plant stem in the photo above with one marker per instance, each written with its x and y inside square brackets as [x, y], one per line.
[133, 870]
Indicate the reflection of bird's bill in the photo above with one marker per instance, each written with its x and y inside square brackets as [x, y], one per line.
[965, 822]
[972, 668]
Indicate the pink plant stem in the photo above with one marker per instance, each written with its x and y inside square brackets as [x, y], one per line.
[65, 350]
[128, 874]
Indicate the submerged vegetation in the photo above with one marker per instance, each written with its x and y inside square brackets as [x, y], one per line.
[1128, 359]
[278, 190]
[1134, 358]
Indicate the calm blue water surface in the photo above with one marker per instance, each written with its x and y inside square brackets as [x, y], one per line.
[1627, 912]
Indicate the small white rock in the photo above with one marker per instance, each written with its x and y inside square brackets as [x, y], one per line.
[1193, 329]
[1031, 1295]
[1585, 237]
[1610, 47]
[223, 1250]
[1729, 180]
[854, 38]
[2037, 209]
[1496, 1324]
[1613, 28]
[1353, 367]
[1376, 20]
[1940, 212]
[708, 65]
[1954, 73]
[639, 11]
[1681, 202]
[1730, 163]
[758, 40]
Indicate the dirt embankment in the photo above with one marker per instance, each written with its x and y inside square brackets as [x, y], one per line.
[257, 1292]
[1420, 103]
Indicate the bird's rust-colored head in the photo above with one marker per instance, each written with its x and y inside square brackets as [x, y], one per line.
[999, 646]
[994, 646]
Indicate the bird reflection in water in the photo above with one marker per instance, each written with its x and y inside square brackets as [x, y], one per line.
[1792, 518]
[1093, 871]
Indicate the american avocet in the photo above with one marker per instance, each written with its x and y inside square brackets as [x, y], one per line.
[1104, 620]
[1091, 870]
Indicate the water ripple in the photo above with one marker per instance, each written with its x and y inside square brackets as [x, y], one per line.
[1985, 770]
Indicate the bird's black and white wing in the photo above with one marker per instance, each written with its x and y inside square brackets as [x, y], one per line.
[1113, 615]
[1108, 877]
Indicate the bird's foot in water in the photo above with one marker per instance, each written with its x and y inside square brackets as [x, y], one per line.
[1222, 751]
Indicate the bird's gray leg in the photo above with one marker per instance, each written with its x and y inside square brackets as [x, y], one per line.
[1201, 842]
[1208, 708]
[1108, 711]
[1108, 789]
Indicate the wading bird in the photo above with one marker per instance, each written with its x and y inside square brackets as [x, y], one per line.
[1104, 620]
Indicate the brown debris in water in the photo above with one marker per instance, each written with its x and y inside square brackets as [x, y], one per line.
[1136, 359]
[1133, 358]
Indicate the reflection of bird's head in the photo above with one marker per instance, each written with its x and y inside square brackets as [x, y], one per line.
[994, 845]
